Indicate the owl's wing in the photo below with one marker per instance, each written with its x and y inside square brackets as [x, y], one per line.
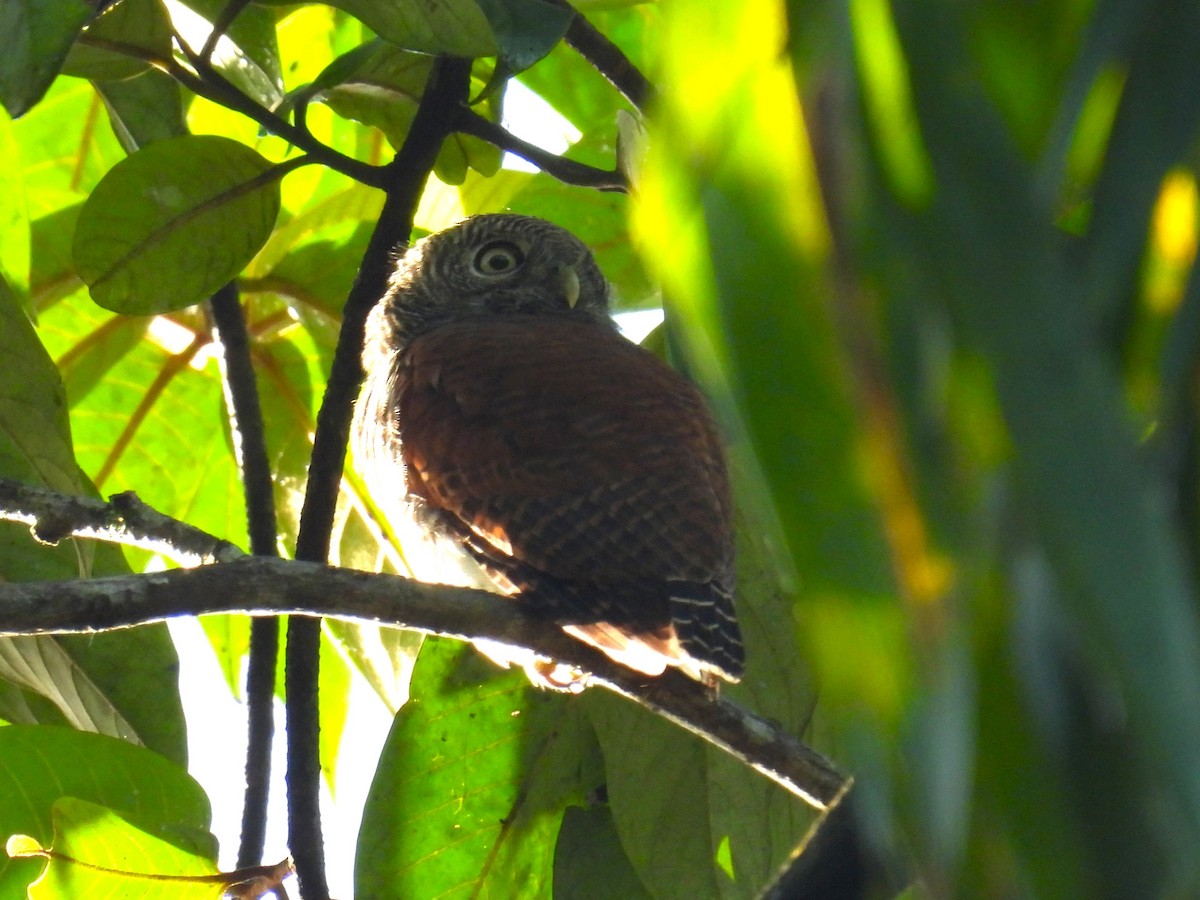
[581, 468]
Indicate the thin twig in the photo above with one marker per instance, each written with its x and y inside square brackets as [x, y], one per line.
[567, 171]
[124, 519]
[260, 585]
[208, 83]
[220, 26]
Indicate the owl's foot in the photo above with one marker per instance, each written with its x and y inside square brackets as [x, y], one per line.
[554, 676]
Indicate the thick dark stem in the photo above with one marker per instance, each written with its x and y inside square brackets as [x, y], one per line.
[610, 61]
[250, 443]
[446, 91]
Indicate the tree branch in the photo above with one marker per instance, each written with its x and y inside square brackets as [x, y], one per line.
[610, 61]
[124, 519]
[260, 586]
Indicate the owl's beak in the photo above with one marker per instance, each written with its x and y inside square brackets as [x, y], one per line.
[569, 284]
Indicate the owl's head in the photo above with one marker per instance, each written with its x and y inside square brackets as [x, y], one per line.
[495, 265]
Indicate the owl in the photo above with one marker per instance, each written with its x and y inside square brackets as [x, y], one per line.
[507, 425]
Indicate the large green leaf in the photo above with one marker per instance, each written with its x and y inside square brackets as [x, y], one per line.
[472, 783]
[152, 213]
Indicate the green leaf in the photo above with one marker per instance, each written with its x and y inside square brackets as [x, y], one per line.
[526, 30]
[445, 27]
[1126, 583]
[62, 153]
[152, 211]
[472, 783]
[35, 36]
[14, 219]
[43, 763]
[40, 664]
[98, 852]
[35, 447]
[137, 671]
[138, 25]
[1155, 127]
[589, 861]
[144, 109]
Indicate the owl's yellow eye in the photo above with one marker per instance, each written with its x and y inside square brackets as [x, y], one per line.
[498, 258]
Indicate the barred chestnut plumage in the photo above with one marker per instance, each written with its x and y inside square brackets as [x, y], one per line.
[505, 415]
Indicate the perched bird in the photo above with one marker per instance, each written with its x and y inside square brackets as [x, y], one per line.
[505, 416]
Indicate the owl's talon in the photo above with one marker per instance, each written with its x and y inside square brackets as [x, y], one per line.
[555, 676]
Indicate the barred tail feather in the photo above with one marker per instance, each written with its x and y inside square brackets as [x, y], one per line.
[707, 630]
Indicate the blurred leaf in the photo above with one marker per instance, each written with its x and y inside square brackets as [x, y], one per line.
[154, 208]
[42, 764]
[35, 36]
[1101, 517]
[1155, 126]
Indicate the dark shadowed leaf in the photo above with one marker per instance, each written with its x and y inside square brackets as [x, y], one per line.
[526, 30]
[35, 36]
